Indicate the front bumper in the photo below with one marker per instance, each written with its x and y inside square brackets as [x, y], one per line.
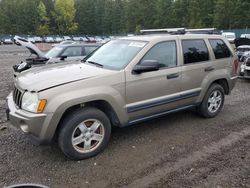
[244, 72]
[30, 123]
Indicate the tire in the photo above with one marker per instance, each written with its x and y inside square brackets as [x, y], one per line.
[84, 133]
[211, 107]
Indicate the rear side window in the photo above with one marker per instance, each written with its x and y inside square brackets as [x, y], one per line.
[220, 48]
[194, 51]
[164, 53]
[73, 51]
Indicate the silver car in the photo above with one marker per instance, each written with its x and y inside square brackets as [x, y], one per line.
[59, 53]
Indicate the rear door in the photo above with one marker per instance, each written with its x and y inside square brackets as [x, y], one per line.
[197, 64]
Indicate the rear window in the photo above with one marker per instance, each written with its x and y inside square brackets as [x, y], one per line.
[194, 51]
[220, 48]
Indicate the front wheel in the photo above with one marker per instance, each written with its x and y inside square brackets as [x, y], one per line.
[84, 133]
[212, 102]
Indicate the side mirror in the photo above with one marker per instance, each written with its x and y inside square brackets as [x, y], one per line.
[63, 57]
[146, 66]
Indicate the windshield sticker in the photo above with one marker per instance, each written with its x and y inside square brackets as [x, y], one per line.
[137, 44]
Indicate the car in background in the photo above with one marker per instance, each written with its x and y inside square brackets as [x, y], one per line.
[245, 36]
[60, 53]
[64, 42]
[7, 41]
[31, 39]
[84, 39]
[245, 67]
[58, 39]
[230, 36]
[38, 39]
[241, 50]
[76, 38]
[67, 38]
[49, 40]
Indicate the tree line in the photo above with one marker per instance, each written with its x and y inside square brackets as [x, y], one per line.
[104, 17]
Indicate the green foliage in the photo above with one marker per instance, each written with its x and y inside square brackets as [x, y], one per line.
[96, 17]
[43, 27]
[64, 15]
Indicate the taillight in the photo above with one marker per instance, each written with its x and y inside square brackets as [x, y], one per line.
[236, 67]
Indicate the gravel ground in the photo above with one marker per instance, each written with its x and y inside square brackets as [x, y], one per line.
[178, 150]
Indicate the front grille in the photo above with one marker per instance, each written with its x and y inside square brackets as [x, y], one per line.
[17, 97]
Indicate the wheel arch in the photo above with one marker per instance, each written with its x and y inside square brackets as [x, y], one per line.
[102, 105]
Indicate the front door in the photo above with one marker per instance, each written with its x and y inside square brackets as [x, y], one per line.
[154, 92]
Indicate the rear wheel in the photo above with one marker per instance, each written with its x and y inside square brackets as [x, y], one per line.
[212, 102]
[84, 133]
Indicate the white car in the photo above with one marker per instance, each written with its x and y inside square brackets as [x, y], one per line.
[66, 38]
[58, 39]
[7, 41]
[245, 36]
[38, 39]
[49, 39]
[242, 51]
[230, 36]
[30, 39]
[245, 67]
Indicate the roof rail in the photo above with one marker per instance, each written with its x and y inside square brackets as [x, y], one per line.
[163, 31]
[180, 31]
[204, 31]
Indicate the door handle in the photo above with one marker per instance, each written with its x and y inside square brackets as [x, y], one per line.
[171, 76]
[207, 69]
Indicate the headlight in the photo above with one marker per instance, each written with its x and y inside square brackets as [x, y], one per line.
[32, 103]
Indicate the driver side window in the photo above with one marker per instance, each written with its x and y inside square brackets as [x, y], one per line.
[164, 53]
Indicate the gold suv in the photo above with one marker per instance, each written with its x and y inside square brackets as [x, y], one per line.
[124, 82]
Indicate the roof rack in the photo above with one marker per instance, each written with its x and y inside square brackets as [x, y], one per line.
[180, 31]
[172, 31]
[204, 31]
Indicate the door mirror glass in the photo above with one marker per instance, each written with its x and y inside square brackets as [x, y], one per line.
[146, 66]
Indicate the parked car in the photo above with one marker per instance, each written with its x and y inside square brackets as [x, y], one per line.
[38, 39]
[124, 82]
[49, 40]
[241, 50]
[58, 39]
[67, 38]
[91, 39]
[245, 67]
[64, 42]
[76, 38]
[31, 39]
[230, 36]
[84, 39]
[245, 36]
[60, 53]
[7, 41]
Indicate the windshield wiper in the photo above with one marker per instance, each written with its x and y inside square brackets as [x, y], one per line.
[94, 63]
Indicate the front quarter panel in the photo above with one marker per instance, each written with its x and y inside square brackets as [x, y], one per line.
[63, 97]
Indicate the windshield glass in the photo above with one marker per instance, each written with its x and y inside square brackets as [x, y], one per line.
[54, 52]
[116, 54]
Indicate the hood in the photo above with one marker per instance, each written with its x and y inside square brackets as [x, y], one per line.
[241, 41]
[49, 76]
[30, 46]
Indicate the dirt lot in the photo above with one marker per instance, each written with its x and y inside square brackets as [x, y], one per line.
[179, 150]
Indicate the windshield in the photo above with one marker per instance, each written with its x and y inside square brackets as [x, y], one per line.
[54, 52]
[116, 54]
